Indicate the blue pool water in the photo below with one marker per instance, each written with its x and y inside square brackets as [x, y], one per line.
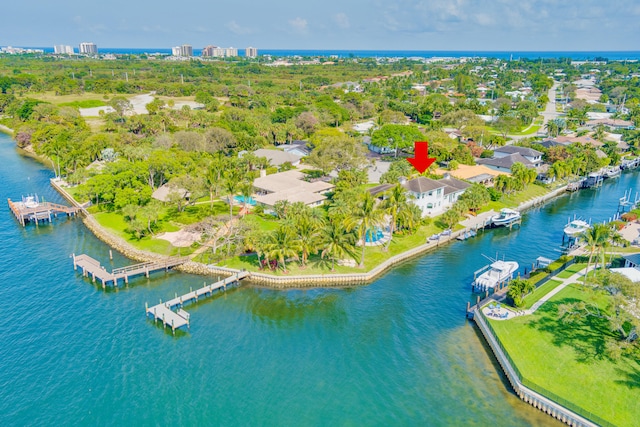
[241, 199]
[374, 235]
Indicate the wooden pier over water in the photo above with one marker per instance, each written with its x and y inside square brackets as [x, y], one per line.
[180, 318]
[38, 211]
[91, 267]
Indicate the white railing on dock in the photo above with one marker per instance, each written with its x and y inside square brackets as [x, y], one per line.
[175, 320]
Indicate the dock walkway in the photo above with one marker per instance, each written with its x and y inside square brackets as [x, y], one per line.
[91, 267]
[180, 318]
[43, 211]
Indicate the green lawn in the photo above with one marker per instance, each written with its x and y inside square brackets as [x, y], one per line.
[569, 359]
[116, 224]
[540, 292]
[68, 99]
[85, 103]
[513, 200]
[571, 270]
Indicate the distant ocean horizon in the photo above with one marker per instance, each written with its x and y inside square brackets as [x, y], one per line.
[346, 53]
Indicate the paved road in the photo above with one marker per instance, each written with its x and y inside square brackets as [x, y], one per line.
[550, 112]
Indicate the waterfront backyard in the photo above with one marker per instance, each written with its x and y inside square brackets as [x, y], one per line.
[569, 362]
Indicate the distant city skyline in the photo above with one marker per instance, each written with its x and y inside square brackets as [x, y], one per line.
[486, 25]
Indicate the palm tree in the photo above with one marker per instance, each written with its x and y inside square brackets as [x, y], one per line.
[396, 202]
[337, 242]
[246, 190]
[213, 176]
[596, 238]
[282, 244]
[552, 128]
[256, 241]
[365, 217]
[308, 236]
[231, 183]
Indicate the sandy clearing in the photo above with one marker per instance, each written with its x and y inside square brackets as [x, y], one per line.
[180, 239]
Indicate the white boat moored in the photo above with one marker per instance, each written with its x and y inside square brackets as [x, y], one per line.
[576, 227]
[506, 217]
[494, 274]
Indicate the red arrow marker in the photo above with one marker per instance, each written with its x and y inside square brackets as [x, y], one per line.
[421, 161]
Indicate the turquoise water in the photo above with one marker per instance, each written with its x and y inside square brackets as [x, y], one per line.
[372, 236]
[396, 352]
[240, 199]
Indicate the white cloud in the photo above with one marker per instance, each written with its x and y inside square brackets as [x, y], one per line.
[238, 29]
[299, 25]
[341, 20]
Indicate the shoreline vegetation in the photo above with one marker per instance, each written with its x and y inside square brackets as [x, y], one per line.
[314, 280]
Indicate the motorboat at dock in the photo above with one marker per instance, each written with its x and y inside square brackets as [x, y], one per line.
[493, 275]
[506, 217]
[576, 227]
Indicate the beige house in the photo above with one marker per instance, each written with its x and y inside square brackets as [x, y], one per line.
[289, 186]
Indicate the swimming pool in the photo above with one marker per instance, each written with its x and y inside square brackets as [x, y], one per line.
[372, 236]
[240, 199]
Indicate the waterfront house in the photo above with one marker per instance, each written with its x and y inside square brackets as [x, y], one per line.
[434, 196]
[165, 192]
[290, 186]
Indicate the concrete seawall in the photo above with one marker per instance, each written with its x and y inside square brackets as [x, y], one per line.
[272, 280]
[531, 397]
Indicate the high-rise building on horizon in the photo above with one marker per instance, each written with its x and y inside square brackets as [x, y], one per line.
[63, 49]
[251, 52]
[210, 50]
[219, 52]
[88, 48]
[185, 50]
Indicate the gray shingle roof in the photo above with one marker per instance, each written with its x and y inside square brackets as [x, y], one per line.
[423, 185]
[512, 149]
[379, 189]
[506, 162]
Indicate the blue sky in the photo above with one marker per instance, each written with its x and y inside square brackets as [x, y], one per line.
[588, 25]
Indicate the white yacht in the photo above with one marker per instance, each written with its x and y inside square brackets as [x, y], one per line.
[494, 274]
[576, 227]
[506, 217]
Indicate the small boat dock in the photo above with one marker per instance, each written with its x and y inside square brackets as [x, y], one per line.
[91, 267]
[180, 318]
[30, 209]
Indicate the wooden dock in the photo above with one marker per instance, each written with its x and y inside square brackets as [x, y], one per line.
[41, 211]
[180, 318]
[91, 267]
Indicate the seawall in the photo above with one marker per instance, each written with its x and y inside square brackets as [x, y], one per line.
[526, 394]
[265, 279]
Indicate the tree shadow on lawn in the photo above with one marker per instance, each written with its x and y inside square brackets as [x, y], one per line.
[632, 377]
[586, 335]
